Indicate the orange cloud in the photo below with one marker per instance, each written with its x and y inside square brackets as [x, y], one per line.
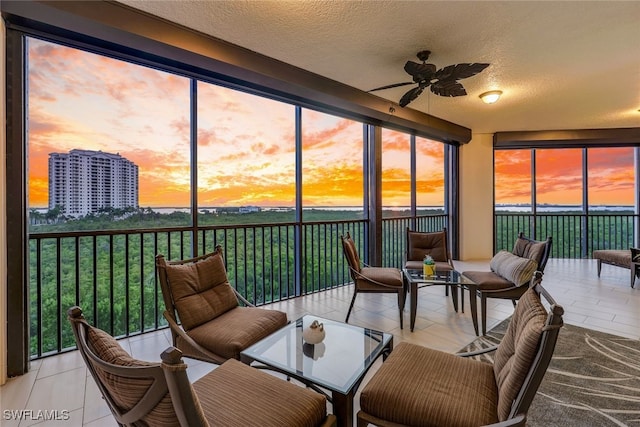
[559, 176]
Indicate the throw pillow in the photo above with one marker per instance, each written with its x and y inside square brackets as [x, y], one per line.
[517, 270]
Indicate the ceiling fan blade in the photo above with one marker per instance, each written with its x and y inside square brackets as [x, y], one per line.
[411, 95]
[419, 71]
[459, 71]
[448, 88]
[390, 86]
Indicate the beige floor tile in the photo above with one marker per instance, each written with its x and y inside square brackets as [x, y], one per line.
[95, 406]
[59, 419]
[64, 362]
[64, 391]
[149, 346]
[15, 393]
[108, 421]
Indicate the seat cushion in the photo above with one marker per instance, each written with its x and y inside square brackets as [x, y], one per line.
[418, 386]
[225, 391]
[200, 290]
[614, 256]
[227, 335]
[389, 276]
[518, 349]
[518, 270]
[487, 280]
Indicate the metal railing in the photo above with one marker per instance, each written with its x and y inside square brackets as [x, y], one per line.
[574, 235]
[394, 235]
[111, 273]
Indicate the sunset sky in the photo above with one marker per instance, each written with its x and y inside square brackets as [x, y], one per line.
[559, 176]
[246, 144]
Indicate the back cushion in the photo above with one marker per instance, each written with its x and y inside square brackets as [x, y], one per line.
[517, 349]
[200, 290]
[351, 253]
[517, 270]
[423, 244]
[529, 249]
[126, 392]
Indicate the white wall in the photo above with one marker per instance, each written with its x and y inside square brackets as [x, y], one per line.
[3, 215]
[476, 198]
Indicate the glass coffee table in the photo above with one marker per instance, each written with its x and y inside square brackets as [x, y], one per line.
[338, 364]
[416, 279]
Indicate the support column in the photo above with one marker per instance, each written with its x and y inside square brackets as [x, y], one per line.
[374, 180]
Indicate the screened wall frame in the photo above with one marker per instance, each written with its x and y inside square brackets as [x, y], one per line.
[35, 23]
[585, 140]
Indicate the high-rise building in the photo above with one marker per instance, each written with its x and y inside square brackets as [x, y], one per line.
[85, 181]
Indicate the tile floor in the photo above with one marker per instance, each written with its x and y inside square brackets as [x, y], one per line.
[607, 304]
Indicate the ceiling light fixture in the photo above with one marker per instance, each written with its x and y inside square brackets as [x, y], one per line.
[491, 96]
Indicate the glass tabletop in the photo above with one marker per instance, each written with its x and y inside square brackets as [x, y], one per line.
[445, 277]
[337, 363]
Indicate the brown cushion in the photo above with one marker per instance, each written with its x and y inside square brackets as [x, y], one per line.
[487, 280]
[225, 393]
[389, 276]
[236, 330]
[351, 253]
[614, 256]
[200, 290]
[419, 386]
[518, 349]
[127, 392]
[517, 270]
[421, 244]
[529, 249]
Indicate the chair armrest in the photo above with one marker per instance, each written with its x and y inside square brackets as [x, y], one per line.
[242, 299]
[478, 352]
[175, 327]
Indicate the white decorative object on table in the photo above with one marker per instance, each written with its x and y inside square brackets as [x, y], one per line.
[314, 334]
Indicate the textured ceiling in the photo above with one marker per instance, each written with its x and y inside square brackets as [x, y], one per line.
[560, 64]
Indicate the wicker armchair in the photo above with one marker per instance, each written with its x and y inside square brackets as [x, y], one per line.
[417, 386]
[141, 393]
[204, 313]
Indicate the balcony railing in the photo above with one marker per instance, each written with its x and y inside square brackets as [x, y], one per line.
[574, 235]
[111, 274]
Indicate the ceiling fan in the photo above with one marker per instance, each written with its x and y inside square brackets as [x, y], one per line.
[443, 82]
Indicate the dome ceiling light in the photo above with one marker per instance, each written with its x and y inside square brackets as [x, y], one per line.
[491, 96]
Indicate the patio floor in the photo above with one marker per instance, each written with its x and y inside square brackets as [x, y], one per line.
[607, 304]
